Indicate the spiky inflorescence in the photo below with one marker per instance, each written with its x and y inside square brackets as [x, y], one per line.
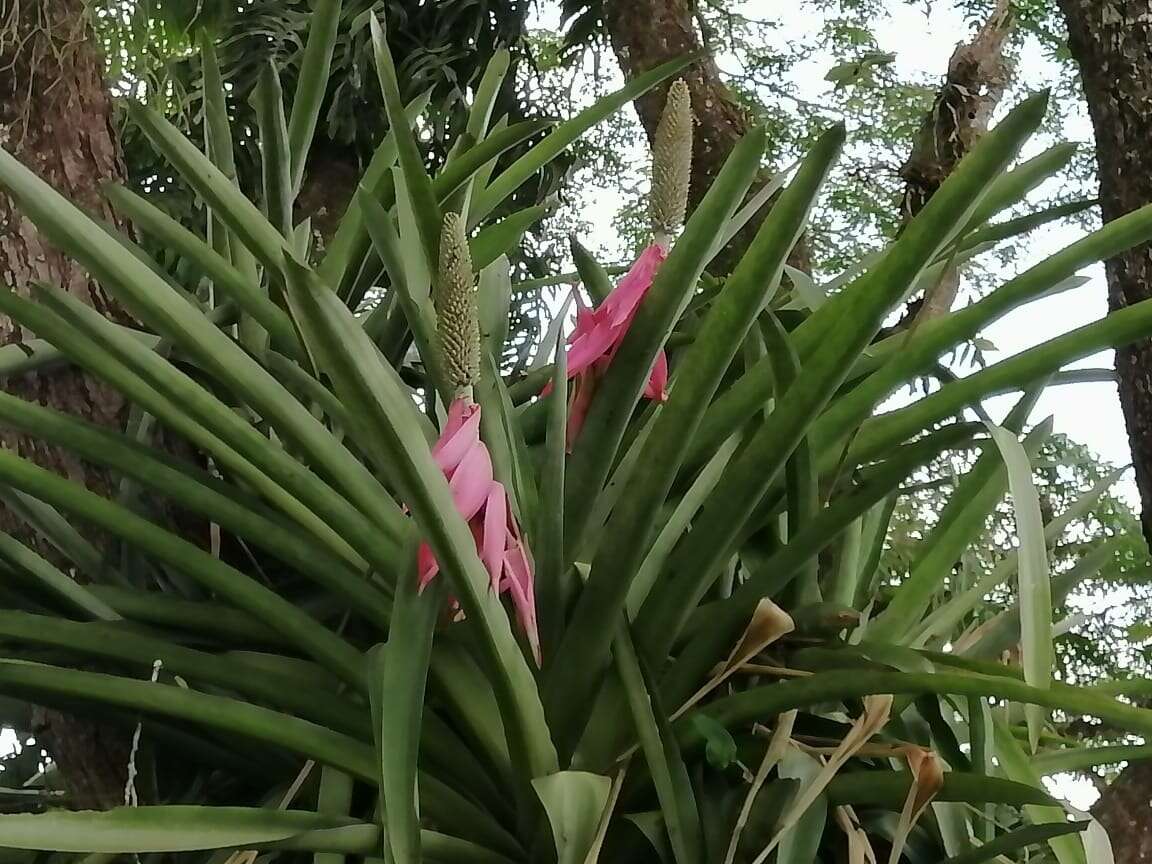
[455, 300]
[672, 161]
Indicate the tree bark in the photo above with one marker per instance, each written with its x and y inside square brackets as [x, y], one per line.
[647, 33]
[1110, 42]
[55, 116]
[973, 86]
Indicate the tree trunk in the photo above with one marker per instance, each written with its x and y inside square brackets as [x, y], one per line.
[1110, 42]
[647, 33]
[976, 79]
[55, 116]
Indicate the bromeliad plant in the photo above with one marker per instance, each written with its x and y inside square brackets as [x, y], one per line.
[701, 667]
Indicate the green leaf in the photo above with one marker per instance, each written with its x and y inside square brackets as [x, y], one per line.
[216, 418]
[592, 274]
[919, 350]
[800, 842]
[410, 282]
[226, 201]
[333, 798]
[311, 85]
[715, 628]
[560, 138]
[58, 531]
[1013, 841]
[661, 753]
[748, 705]
[961, 521]
[851, 71]
[408, 154]
[230, 716]
[214, 620]
[170, 828]
[397, 675]
[510, 459]
[1015, 373]
[1014, 763]
[349, 246]
[889, 790]
[676, 524]
[1014, 185]
[479, 118]
[854, 315]
[77, 596]
[1038, 653]
[1082, 758]
[502, 237]
[575, 803]
[275, 158]
[259, 681]
[555, 586]
[226, 278]
[841, 329]
[493, 297]
[186, 558]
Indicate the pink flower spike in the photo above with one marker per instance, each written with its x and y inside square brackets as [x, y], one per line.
[483, 503]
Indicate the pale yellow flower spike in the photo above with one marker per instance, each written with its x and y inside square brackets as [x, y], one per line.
[457, 322]
[671, 163]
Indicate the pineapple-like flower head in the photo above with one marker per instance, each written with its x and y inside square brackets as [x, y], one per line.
[671, 163]
[480, 499]
[457, 322]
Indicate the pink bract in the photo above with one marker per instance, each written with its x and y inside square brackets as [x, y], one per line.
[599, 332]
[483, 502]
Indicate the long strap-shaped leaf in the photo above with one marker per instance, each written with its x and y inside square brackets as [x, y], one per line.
[246, 593]
[398, 672]
[1037, 651]
[140, 289]
[665, 763]
[275, 160]
[424, 202]
[247, 295]
[716, 628]
[230, 716]
[204, 420]
[200, 493]
[346, 251]
[1016, 373]
[56, 582]
[385, 408]
[848, 322]
[312, 83]
[960, 523]
[191, 828]
[117, 643]
[765, 701]
[919, 350]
